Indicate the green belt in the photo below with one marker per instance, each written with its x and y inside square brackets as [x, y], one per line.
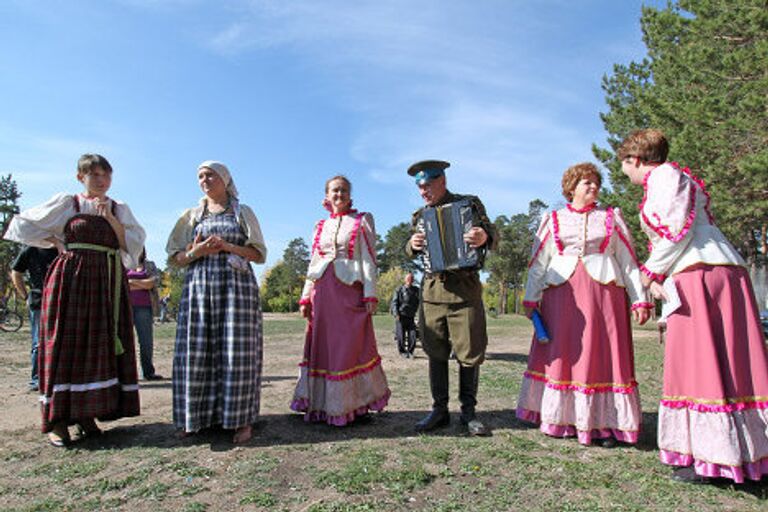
[115, 266]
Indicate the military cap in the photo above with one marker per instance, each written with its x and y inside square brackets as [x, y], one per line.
[427, 170]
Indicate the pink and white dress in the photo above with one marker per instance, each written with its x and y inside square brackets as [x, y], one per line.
[714, 408]
[341, 375]
[582, 383]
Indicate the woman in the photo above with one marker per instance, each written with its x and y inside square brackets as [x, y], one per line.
[583, 267]
[713, 416]
[140, 282]
[341, 375]
[218, 353]
[86, 352]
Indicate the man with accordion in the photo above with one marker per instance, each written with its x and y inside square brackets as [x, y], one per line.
[451, 235]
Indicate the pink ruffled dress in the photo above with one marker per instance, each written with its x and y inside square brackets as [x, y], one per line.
[341, 376]
[582, 277]
[714, 408]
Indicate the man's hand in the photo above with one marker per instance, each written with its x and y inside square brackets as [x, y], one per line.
[476, 237]
[418, 241]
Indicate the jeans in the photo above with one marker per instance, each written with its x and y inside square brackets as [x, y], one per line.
[142, 321]
[34, 328]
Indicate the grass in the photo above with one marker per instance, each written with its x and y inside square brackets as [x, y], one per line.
[138, 465]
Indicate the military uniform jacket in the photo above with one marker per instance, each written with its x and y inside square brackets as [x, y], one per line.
[456, 286]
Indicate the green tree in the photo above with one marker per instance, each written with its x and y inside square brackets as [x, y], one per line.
[509, 262]
[281, 289]
[296, 257]
[393, 250]
[704, 82]
[172, 283]
[9, 206]
[388, 282]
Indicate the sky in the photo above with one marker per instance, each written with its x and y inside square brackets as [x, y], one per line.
[290, 93]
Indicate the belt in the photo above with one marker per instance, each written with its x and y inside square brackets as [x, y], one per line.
[115, 269]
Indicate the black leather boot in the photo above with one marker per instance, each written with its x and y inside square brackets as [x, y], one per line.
[438, 383]
[468, 380]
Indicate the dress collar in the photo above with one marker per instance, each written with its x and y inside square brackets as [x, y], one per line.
[347, 212]
[586, 209]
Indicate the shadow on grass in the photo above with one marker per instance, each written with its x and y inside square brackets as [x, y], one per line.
[507, 356]
[291, 429]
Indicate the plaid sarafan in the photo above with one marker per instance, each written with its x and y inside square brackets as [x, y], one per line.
[81, 374]
[218, 353]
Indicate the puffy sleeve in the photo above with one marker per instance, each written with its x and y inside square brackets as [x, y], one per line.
[183, 233]
[253, 232]
[541, 254]
[624, 253]
[368, 257]
[669, 210]
[34, 226]
[134, 235]
[313, 261]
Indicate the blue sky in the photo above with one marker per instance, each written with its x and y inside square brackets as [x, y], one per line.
[289, 93]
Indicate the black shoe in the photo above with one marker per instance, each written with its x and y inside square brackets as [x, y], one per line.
[688, 475]
[33, 386]
[608, 442]
[435, 419]
[154, 377]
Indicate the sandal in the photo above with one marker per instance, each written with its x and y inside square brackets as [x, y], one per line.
[59, 436]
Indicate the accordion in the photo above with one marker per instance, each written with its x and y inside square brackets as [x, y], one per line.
[444, 227]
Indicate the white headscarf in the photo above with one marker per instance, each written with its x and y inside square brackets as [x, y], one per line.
[221, 169]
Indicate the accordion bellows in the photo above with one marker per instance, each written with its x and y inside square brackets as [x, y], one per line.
[444, 228]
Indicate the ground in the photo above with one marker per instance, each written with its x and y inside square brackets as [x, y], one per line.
[139, 464]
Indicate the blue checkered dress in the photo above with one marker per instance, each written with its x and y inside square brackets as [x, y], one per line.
[218, 354]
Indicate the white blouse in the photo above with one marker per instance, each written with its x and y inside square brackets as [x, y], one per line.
[675, 215]
[349, 242]
[596, 236]
[34, 226]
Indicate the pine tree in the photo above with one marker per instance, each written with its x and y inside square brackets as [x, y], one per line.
[9, 206]
[704, 82]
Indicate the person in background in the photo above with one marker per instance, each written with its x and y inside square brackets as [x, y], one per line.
[340, 375]
[34, 262]
[141, 283]
[218, 351]
[164, 307]
[583, 279]
[713, 415]
[86, 353]
[404, 306]
[451, 316]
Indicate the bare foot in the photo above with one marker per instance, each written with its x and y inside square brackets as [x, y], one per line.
[243, 435]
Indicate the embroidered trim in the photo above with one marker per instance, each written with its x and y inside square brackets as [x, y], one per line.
[538, 250]
[556, 233]
[661, 229]
[653, 276]
[353, 237]
[588, 389]
[608, 229]
[726, 405]
[586, 209]
[639, 305]
[351, 211]
[342, 375]
[316, 242]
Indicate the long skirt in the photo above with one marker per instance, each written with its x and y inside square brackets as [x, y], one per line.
[340, 375]
[217, 359]
[81, 375]
[714, 409]
[582, 383]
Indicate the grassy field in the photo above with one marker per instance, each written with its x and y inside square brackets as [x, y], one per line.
[381, 465]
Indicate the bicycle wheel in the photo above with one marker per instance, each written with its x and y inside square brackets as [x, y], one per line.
[11, 322]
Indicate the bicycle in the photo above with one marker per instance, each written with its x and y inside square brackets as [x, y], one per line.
[10, 320]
